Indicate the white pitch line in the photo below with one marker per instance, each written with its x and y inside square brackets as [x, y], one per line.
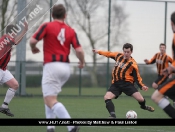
[131, 129]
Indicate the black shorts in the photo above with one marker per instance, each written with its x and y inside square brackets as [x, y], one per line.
[168, 88]
[122, 86]
[161, 79]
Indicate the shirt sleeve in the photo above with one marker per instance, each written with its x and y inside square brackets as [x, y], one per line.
[75, 41]
[136, 75]
[40, 33]
[173, 64]
[153, 60]
[170, 60]
[108, 54]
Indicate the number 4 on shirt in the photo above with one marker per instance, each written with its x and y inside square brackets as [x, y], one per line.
[61, 36]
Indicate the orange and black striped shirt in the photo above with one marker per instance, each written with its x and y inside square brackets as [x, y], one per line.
[126, 70]
[173, 50]
[162, 61]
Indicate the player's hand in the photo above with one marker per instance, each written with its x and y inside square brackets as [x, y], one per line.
[170, 76]
[146, 61]
[166, 71]
[81, 65]
[35, 50]
[144, 88]
[94, 50]
[26, 26]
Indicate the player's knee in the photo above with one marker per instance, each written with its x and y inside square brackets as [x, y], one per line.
[109, 95]
[154, 85]
[15, 85]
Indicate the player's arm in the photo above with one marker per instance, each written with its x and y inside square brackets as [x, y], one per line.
[78, 49]
[153, 60]
[170, 60]
[38, 35]
[106, 53]
[80, 55]
[33, 47]
[171, 69]
[137, 78]
[19, 36]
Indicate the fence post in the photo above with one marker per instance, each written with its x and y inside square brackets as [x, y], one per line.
[109, 26]
[80, 82]
[165, 22]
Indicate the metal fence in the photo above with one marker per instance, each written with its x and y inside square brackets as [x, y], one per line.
[81, 82]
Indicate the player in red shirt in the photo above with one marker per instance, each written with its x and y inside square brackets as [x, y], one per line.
[58, 39]
[167, 88]
[6, 42]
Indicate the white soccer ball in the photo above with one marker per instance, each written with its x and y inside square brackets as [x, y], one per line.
[131, 114]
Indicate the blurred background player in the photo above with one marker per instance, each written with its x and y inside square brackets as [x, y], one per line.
[124, 74]
[58, 38]
[162, 61]
[168, 88]
[12, 38]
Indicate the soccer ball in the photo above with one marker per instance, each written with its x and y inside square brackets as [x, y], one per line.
[131, 114]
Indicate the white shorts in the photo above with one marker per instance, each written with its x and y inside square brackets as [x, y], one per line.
[55, 74]
[5, 76]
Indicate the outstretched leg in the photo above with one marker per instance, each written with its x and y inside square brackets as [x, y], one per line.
[142, 102]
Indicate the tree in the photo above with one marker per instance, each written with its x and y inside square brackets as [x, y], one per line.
[9, 14]
[91, 18]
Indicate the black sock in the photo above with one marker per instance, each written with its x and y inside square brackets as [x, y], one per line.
[170, 111]
[142, 104]
[110, 107]
[5, 103]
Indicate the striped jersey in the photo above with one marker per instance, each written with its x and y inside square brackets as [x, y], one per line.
[58, 39]
[126, 70]
[6, 43]
[173, 50]
[162, 61]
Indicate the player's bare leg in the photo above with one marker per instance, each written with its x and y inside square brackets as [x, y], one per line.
[142, 101]
[109, 104]
[13, 86]
[163, 103]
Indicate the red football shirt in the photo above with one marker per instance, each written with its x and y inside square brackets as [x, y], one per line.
[6, 43]
[58, 38]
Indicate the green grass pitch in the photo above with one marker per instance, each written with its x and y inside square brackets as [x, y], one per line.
[84, 107]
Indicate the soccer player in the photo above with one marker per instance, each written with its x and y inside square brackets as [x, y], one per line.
[8, 40]
[124, 74]
[162, 61]
[58, 39]
[168, 88]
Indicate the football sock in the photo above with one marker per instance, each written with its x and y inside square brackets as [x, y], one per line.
[110, 107]
[142, 104]
[61, 112]
[165, 105]
[9, 95]
[49, 114]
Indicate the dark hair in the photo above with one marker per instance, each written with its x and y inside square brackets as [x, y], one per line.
[127, 46]
[162, 45]
[58, 11]
[173, 17]
[10, 28]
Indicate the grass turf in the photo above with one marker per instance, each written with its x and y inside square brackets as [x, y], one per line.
[84, 107]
